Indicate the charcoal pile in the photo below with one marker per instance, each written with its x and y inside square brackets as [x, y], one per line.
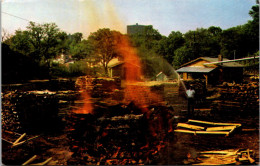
[120, 135]
[237, 97]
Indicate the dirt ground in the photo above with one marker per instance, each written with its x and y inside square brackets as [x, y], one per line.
[64, 148]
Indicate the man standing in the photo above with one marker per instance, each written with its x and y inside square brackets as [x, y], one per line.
[190, 92]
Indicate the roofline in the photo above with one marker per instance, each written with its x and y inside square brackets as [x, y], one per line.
[234, 60]
[194, 60]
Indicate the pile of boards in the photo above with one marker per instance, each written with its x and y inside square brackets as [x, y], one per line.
[198, 127]
[224, 157]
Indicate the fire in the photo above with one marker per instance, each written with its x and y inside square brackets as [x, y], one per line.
[87, 106]
[132, 65]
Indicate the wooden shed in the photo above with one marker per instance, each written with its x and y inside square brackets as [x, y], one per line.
[213, 74]
[118, 68]
[161, 77]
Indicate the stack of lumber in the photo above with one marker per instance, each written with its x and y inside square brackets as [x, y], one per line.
[224, 157]
[237, 97]
[204, 127]
[97, 86]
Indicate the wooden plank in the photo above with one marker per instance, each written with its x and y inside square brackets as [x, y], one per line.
[12, 132]
[7, 141]
[184, 131]
[221, 128]
[30, 160]
[184, 125]
[21, 137]
[201, 132]
[231, 131]
[45, 162]
[19, 143]
[221, 152]
[213, 123]
[211, 132]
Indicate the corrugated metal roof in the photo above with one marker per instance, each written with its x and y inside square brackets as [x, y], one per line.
[195, 69]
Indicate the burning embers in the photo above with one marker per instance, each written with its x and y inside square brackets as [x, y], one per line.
[119, 135]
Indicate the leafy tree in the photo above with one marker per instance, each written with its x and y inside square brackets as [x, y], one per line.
[81, 50]
[148, 39]
[167, 46]
[182, 55]
[240, 41]
[214, 31]
[20, 42]
[105, 42]
[254, 12]
[43, 38]
[76, 37]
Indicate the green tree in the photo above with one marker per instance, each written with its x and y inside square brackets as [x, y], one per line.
[81, 50]
[43, 38]
[105, 42]
[20, 42]
[242, 40]
[182, 55]
[148, 39]
[168, 45]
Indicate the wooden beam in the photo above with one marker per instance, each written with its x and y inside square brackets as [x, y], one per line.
[212, 132]
[221, 128]
[201, 132]
[21, 137]
[19, 143]
[184, 131]
[7, 141]
[189, 126]
[213, 123]
[30, 160]
[45, 162]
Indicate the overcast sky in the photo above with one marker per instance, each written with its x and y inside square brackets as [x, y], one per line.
[89, 15]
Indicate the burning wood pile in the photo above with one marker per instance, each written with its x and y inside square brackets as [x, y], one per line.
[120, 135]
[237, 97]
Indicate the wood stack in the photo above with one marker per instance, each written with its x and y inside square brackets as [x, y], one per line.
[237, 97]
[97, 87]
[226, 157]
[204, 127]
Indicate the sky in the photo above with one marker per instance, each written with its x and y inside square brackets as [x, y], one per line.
[88, 16]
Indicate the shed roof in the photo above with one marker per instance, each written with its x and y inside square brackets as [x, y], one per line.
[195, 69]
[114, 62]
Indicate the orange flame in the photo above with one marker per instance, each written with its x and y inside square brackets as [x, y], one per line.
[87, 106]
[132, 65]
